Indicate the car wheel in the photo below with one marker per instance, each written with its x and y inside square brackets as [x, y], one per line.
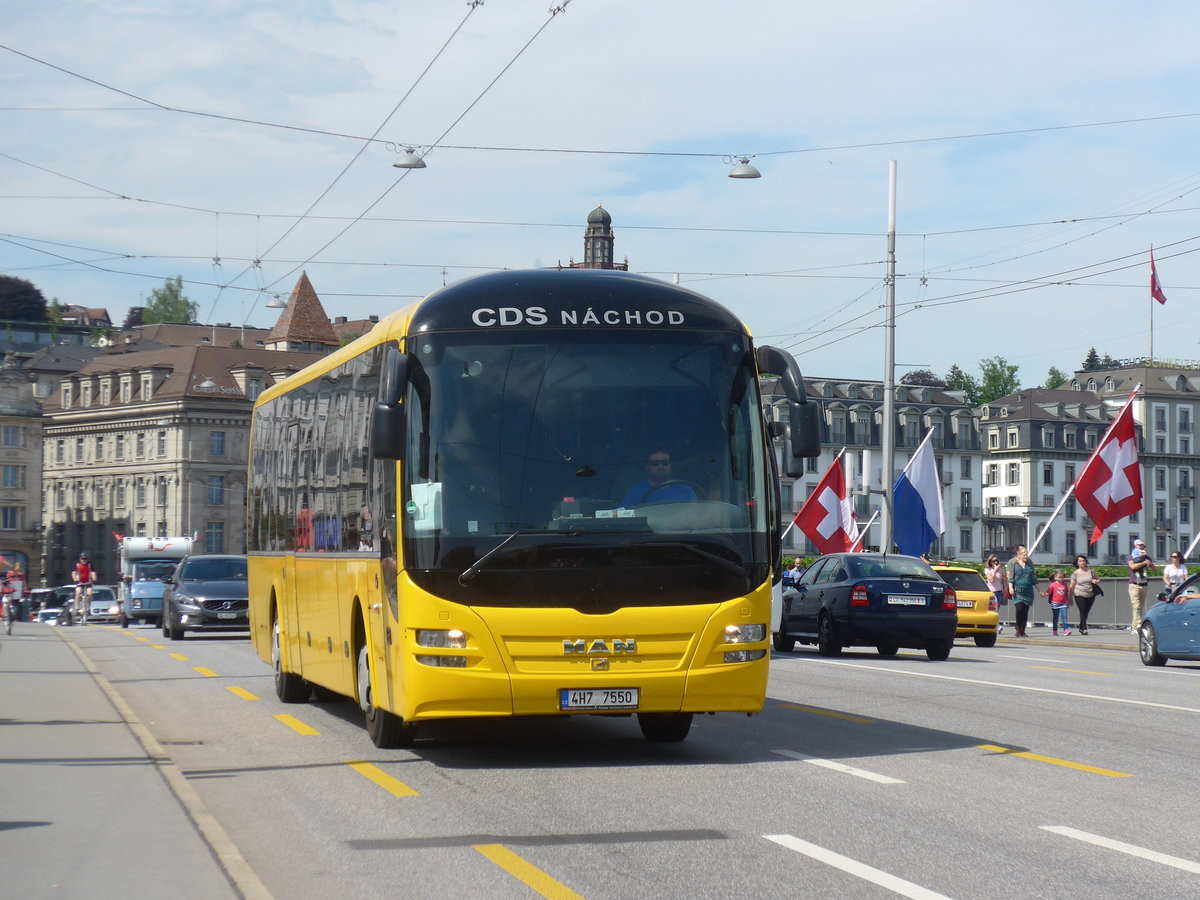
[985, 640]
[1148, 647]
[939, 650]
[665, 728]
[289, 688]
[782, 641]
[123, 620]
[827, 644]
[887, 649]
[384, 728]
[175, 632]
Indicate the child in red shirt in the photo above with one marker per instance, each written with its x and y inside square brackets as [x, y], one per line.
[1060, 599]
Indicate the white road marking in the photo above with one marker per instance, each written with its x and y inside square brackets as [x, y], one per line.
[855, 868]
[1121, 847]
[839, 767]
[1001, 684]
[1029, 658]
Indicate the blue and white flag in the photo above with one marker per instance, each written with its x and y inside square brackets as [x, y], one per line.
[918, 517]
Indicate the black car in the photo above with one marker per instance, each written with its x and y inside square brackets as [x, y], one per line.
[206, 593]
[872, 599]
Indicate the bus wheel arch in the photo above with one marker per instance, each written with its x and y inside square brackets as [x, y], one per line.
[386, 730]
[289, 687]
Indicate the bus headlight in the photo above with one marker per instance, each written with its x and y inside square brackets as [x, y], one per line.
[451, 639]
[452, 662]
[744, 634]
[736, 656]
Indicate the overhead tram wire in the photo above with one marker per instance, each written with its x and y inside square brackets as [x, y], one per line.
[554, 12]
[472, 6]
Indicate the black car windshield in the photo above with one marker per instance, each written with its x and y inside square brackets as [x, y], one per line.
[889, 567]
[617, 457]
[213, 570]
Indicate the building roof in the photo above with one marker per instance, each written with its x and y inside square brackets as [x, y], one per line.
[1038, 404]
[303, 320]
[169, 334]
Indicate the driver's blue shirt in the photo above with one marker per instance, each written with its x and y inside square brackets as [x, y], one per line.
[633, 496]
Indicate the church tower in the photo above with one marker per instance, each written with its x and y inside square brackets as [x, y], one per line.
[598, 242]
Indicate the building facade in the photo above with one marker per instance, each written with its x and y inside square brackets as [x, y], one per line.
[20, 471]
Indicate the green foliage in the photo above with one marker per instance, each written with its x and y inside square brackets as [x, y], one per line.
[958, 380]
[20, 300]
[1054, 379]
[999, 378]
[1091, 362]
[922, 377]
[169, 304]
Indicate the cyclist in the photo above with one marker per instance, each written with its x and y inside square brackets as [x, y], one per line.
[84, 576]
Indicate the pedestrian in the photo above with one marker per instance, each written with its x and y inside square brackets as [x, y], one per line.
[14, 588]
[1140, 564]
[997, 582]
[1174, 572]
[1084, 588]
[1060, 601]
[1024, 581]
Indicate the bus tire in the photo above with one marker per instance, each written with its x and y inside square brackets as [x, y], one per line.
[288, 687]
[663, 728]
[385, 729]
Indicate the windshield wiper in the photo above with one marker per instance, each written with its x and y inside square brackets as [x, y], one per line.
[469, 574]
[733, 567]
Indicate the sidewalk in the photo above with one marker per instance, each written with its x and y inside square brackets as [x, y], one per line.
[92, 806]
[1097, 638]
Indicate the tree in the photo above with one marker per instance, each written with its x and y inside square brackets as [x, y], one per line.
[1054, 379]
[922, 378]
[168, 304]
[999, 378]
[1091, 362]
[20, 300]
[958, 380]
[133, 318]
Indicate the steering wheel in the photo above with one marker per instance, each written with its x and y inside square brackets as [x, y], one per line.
[655, 488]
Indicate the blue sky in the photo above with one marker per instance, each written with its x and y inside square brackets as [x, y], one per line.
[1016, 236]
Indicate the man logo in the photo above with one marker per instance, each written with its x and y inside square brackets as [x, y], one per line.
[599, 645]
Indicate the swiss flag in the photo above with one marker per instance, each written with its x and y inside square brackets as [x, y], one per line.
[827, 517]
[1156, 290]
[1110, 486]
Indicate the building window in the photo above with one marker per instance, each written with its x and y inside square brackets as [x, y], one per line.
[1069, 544]
[60, 496]
[216, 443]
[811, 465]
[1185, 480]
[214, 537]
[100, 496]
[1069, 509]
[119, 495]
[162, 443]
[1160, 547]
[162, 492]
[1069, 439]
[253, 388]
[85, 394]
[1160, 479]
[78, 450]
[993, 475]
[66, 395]
[139, 492]
[11, 476]
[146, 382]
[60, 451]
[216, 489]
[1185, 514]
[126, 390]
[964, 500]
[10, 517]
[1185, 446]
[1013, 437]
[965, 470]
[1048, 473]
[1160, 418]
[1014, 473]
[99, 449]
[10, 435]
[140, 444]
[120, 446]
[105, 393]
[994, 439]
[1113, 553]
[964, 540]
[1047, 437]
[1089, 440]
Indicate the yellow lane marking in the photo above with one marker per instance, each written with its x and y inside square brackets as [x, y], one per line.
[158, 646]
[207, 673]
[392, 785]
[1095, 770]
[1073, 671]
[241, 692]
[534, 877]
[826, 712]
[137, 637]
[295, 724]
[179, 656]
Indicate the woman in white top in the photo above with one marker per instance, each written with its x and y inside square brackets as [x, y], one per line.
[1175, 572]
[997, 581]
[1082, 588]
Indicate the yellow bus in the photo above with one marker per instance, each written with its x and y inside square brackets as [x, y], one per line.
[532, 493]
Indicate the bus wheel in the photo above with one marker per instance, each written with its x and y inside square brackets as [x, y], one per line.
[288, 687]
[384, 728]
[662, 728]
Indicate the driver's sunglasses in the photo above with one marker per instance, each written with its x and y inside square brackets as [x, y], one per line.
[658, 463]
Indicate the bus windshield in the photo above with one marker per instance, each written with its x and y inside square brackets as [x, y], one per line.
[553, 468]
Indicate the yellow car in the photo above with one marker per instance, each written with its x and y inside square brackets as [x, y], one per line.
[978, 616]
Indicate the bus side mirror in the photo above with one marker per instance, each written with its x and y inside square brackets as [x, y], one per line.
[387, 419]
[803, 435]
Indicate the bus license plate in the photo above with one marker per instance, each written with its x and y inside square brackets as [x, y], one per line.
[598, 698]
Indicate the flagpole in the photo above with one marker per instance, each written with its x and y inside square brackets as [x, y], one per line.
[792, 523]
[862, 532]
[1150, 362]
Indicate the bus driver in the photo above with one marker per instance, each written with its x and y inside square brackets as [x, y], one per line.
[658, 486]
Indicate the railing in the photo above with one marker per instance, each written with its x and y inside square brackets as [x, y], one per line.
[1164, 523]
[968, 512]
[1186, 491]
